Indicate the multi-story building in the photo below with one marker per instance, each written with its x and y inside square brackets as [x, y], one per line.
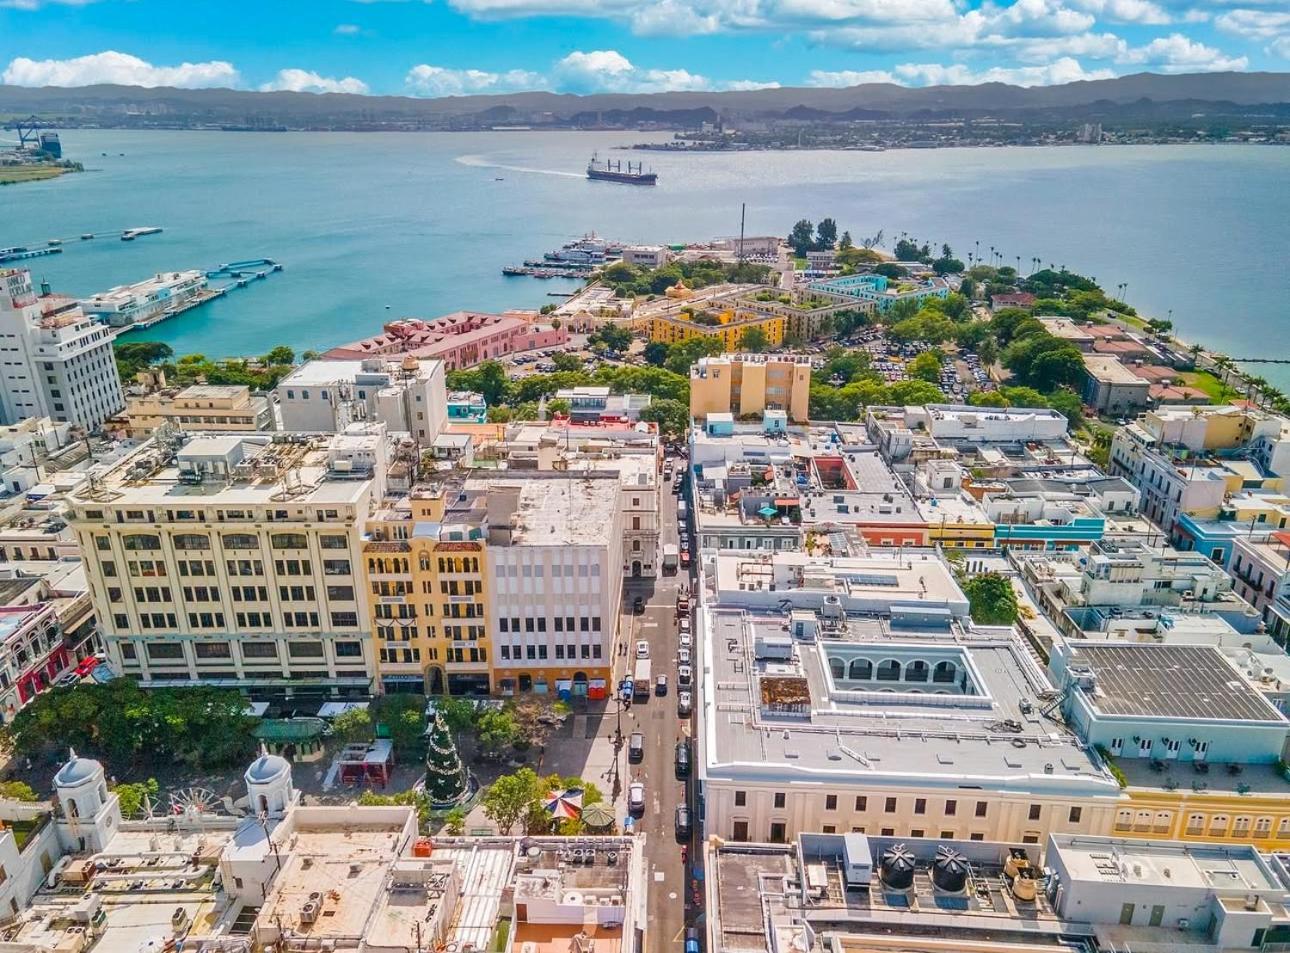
[1189, 459]
[1111, 387]
[236, 559]
[461, 339]
[198, 408]
[745, 384]
[588, 404]
[1253, 514]
[467, 407]
[555, 560]
[647, 256]
[25, 446]
[408, 396]
[1261, 571]
[428, 584]
[60, 362]
[33, 654]
[877, 290]
[853, 695]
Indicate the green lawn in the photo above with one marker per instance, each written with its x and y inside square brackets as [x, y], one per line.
[1218, 392]
[12, 175]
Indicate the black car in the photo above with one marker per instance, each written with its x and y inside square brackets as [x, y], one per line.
[638, 605]
[683, 758]
[636, 748]
[682, 822]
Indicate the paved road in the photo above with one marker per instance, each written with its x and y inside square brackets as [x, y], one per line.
[658, 721]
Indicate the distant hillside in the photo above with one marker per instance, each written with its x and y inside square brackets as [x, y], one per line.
[1144, 95]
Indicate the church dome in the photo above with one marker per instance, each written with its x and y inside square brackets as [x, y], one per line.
[265, 768]
[76, 771]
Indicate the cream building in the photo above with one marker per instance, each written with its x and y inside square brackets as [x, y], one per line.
[236, 560]
[854, 695]
[199, 408]
[743, 384]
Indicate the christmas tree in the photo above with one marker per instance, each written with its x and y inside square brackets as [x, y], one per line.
[445, 776]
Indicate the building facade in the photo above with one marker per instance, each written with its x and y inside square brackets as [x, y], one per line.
[200, 408]
[744, 384]
[408, 396]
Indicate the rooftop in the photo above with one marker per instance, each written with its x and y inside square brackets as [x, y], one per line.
[1108, 369]
[1190, 682]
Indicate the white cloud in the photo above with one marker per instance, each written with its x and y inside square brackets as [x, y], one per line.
[347, 29]
[1180, 54]
[1097, 46]
[745, 85]
[848, 77]
[427, 80]
[608, 71]
[1146, 12]
[307, 81]
[1280, 47]
[1061, 70]
[113, 67]
[37, 4]
[1255, 24]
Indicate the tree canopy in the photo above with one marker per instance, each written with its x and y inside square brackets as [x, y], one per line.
[991, 599]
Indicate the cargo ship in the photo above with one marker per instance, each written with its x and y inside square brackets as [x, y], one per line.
[610, 171]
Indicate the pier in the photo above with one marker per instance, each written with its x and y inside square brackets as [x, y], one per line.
[233, 275]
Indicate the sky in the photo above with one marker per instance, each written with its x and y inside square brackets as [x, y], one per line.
[457, 47]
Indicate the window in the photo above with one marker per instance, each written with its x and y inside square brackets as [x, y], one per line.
[344, 619]
[305, 649]
[137, 542]
[920, 805]
[191, 541]
[862, 803]
[341, 593]
[165, 650]
[289, 541]
[890, 805]
[830, 802]
[981, 807]
[213, 650]
[951, 808]
[349, 650]
[1034, 812]
[779, 799]
[1075, 814]
[332, 541]
[741, 798]
[241, 541]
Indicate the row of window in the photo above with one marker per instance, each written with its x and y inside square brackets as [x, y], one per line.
[167, 621]
[174, 651]
[539, 652]
[156, 568]
[891, 805]
[559, 624]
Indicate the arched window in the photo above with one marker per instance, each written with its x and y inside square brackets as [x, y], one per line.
[141, 541]
[837, 668]
[425, 562]
[861, 669]
[241, 541]
[289, 541]
[889, 670]
[73, 810]
[944, 672]
[917, 671]
[192, 541]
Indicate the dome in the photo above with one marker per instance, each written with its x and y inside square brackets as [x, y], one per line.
[77, 771]
[265, 768]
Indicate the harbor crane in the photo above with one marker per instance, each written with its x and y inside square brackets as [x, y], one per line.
[28, 130]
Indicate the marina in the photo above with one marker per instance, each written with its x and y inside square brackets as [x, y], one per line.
[575, 259]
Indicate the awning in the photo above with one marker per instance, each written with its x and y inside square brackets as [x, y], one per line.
[788, 501]
[768, 511]
[285, 730]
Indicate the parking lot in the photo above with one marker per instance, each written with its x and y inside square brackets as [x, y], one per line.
[961, 371]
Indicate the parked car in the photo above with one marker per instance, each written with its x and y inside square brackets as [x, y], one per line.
[660, 685]
[636, 798]
[684, 624]
[684, 704]
[687, 640]
[683, 759]
[636, 748]
[638, 605]
[682, 656]
[692, 944]
[684, 676]
[683, 821]
[642, 649]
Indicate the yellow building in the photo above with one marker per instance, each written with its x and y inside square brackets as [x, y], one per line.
[428, 593]
[1259, 816]
[727, 326]
[743, 384]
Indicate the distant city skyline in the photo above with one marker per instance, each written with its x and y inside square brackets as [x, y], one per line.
[463, 47]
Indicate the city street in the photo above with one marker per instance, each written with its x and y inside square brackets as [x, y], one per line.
[656, 718]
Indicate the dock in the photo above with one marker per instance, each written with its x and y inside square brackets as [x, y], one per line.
[22, 254]
[233, 275]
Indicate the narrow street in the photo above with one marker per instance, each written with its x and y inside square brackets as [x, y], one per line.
[656, 718]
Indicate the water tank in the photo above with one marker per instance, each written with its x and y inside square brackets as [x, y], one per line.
[949, 870]
[897, 867]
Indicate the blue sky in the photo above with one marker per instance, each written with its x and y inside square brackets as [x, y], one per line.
[451, 47]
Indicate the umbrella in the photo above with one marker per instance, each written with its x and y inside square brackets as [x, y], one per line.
[564, 804]
[598, 816]
[768, 511]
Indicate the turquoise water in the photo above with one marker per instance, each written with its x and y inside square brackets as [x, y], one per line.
[376, 226]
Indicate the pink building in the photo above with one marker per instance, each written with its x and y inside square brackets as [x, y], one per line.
[461, 339]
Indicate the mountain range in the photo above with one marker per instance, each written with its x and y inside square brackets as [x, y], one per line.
[1142, 95]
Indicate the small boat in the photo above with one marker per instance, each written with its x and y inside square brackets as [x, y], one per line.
[498, 179]
[87, 236]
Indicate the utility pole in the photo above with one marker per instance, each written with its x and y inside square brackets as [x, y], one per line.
[743, 209]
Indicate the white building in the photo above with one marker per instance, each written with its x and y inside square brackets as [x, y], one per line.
[147, 301]
[59, 362]
[647, 256]
[555, 559]
[408, 396]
